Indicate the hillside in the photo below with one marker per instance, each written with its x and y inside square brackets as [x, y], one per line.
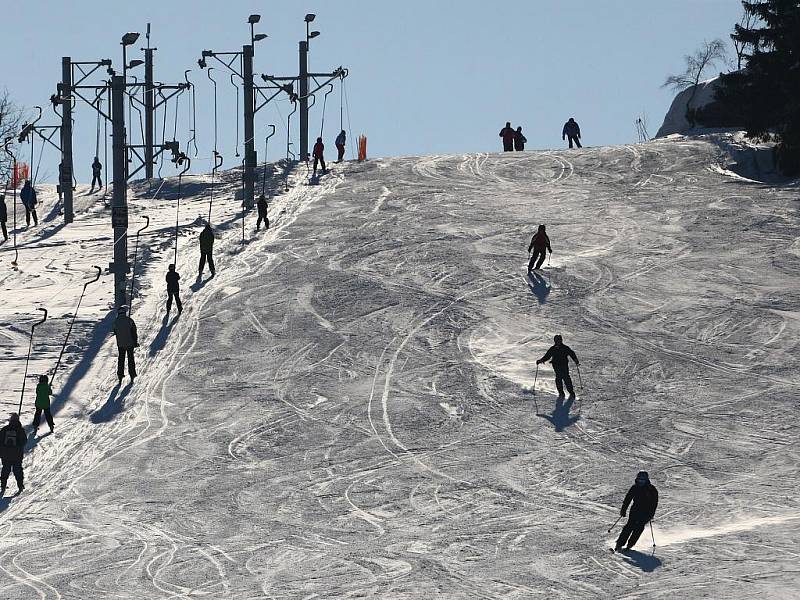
[347, 409]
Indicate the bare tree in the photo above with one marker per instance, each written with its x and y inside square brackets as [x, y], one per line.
[739, 46]
[10, 123]
[697, 64]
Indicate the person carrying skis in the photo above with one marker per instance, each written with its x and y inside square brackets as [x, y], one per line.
[644, 496]
[127, 340]
[28, 197]
[206, 250]
[572, 131]
[507, 133]
[559, 354]
[262, 213]
[12, 447]
[43, 393]
[97, 171]
[341, 140]
[318, 154]
[173, 289]
[519, 140]
[3, 216]
[540, 244]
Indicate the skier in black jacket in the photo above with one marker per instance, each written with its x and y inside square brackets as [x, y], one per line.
[263, 207]
[12, 446]
[572, 131]
[644, 496]
[540, 242]
[173, 289]
[3, 216]
[507, 133]
[558, 354]
[519, 140]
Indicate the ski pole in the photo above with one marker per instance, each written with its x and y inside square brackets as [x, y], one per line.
[72, 322]
[135, 254]
[535, 376]
[652, 534]
[30, 347]
[580, 380]
[615, 523]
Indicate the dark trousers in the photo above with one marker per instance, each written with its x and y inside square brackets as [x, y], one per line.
[9, 466]
[508, 146]
[630, 533]
[563, 379]
[174, 294]
[572, 138]
[205, 255]
[265, 220]
[37, 417]
[28, 213]
[321, 161]
[5, 231]
[121, 363]
[340, 148]
[539, 253]
[96, 177]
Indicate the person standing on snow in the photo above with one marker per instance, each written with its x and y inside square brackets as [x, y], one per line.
[519, 140]
[644, 496]
[318, 154]
[12, 447]
[3, 216]
[127, 340]
[540, 244]
[263, 207]
[206, 250]
[507, 133]
[173, 289]
[559, 354]
[97, 171]
[43, 393]
[28, 197]
[572, 131]
[341, 140]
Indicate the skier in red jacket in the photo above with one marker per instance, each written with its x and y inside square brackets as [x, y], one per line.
[319, 151]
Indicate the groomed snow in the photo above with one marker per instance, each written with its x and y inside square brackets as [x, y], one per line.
[346, 410]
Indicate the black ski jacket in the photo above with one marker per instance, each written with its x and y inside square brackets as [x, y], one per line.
[12, 442]
[206, 240]
[540, 241]
[172, 281]
[3, 211]
[645, 502]
[558, 355]
[571, 129]
[262, 207]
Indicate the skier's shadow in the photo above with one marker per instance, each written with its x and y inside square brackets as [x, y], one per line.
[160, 340]
[199, 284]
[646, 562]
[113, 405]
[539, 286]
[560, 417]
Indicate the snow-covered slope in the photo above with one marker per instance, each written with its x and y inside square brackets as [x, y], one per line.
[346, 410]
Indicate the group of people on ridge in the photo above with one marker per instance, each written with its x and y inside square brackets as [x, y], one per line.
[514, 140]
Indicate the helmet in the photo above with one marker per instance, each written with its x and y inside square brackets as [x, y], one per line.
[558, 339]
[642, 478]
[123, 309]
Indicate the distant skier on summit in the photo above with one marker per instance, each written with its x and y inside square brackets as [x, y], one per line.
[519, 140]
[540, 244]
[507, 133]
[572, 131]
[558, 354]
[644, 496]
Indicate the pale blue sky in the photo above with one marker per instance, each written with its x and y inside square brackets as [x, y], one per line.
[425, 76]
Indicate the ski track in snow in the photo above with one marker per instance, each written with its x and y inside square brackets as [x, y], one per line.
[346, 410]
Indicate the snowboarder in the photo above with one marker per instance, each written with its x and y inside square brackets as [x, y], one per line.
[12, 446]
[206, 250]
[319, 151]
[559, 354]
[644, 496]
[262, 212]
[97, 171]
[572, 131]
[173, 289]
[28, 197]
[540, 243]
[519, 140]
[43, 393]
[3, 216]
[341, 139]
[127, 340]
[507, 133]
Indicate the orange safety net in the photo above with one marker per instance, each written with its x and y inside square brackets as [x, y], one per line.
[20, 174]
[362, 148]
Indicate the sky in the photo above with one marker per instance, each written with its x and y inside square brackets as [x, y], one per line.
[426, 77]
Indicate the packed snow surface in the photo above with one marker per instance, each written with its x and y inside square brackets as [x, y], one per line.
[347, 409]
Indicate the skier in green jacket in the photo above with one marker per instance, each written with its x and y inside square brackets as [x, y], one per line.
[43, 393]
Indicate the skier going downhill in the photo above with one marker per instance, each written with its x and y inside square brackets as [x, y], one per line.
[97, 171]
[340, 142]
[173, 289]
[519, 140]
[540, 244]
[28, 197]
[644, 496]
[263, 207]
[43, 393]
[507, 133]
[319, 158]
[572, 131]
[12, 447]
[207, 250]
[559, 354]
[127, 340]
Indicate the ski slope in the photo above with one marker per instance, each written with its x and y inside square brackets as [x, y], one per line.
[347, 409]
